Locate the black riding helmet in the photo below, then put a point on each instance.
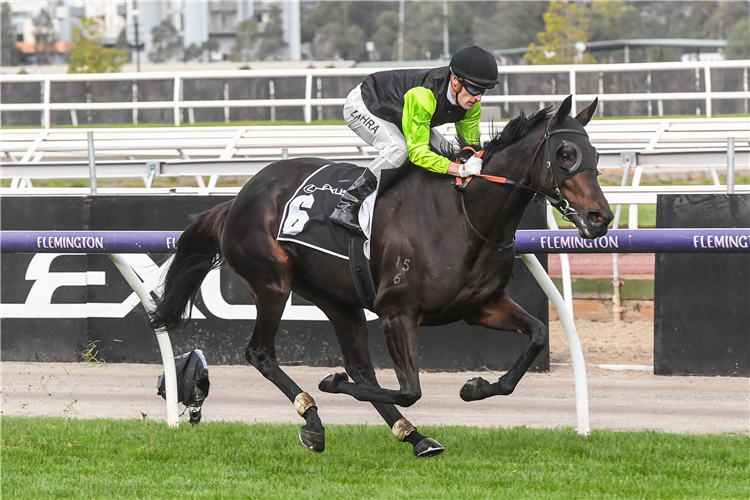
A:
(476, 65)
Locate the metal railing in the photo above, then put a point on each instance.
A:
(240, 151)
(311, 97)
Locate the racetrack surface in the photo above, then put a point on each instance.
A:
(632, 399)
(618, 400)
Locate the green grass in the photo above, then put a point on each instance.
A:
(601, 288)
(60, 458)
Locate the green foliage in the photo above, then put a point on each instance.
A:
(166, 42)
(88, 54)
(272, 46)
(385, 37)
(69, 458)
(200, 52)
(508, 25)
(565, 26)
(10, 55)
(245, 45)
(738, 41)
(45, 36)
(611, 20)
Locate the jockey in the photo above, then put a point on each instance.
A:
(397, 111)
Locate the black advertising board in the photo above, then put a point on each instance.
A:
(701, 300)
(56, 306)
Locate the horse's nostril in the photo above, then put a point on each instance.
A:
(597, 219)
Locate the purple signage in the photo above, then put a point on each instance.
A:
(718, 240)
(88, 241)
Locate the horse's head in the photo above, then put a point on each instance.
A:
(569, 170)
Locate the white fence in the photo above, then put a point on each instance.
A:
(30, 154)
(312, 97)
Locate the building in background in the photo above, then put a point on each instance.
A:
(196, 21)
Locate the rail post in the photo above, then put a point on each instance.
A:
(574, 343)
(162, 337)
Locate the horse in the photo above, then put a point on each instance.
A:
(441, 251)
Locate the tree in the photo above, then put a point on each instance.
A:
(200, 52)
(45, 36)
(510, 25)
(611, 20)
(565, 27)
(166, 42)
(10, 55)
(88, 54)
(272, 45)
(386, 36)
(346, 27)
(123, 44)
(738, 41)
(246, 43)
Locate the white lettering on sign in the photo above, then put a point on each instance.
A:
(578, 242)
(63, 242)
(723, 241)
(38, 303)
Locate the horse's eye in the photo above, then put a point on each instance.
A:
(597, 157)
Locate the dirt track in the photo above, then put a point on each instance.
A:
(619, 400)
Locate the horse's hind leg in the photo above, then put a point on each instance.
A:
(270, 299)
(506, 315)
(351, 331)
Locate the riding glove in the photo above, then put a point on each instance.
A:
(473, 166)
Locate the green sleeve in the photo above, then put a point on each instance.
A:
(419, 106)
(468, 127)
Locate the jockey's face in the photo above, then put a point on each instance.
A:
(464, 99)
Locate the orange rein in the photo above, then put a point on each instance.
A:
(491, 178)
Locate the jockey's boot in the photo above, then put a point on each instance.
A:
(347, 211)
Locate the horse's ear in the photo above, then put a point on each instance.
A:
(587, 114)
(562, 112)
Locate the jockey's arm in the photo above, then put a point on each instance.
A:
(419, 106)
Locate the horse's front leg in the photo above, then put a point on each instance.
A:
(505, 314)
(351, 330)
(401, 338)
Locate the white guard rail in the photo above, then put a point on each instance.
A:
(312, 98)
(217, 151)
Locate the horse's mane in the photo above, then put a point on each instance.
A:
(516, 129)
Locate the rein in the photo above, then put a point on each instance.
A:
(561, 204)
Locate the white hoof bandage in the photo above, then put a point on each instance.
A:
(402, 428)
(304, 402)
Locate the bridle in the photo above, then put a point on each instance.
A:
(555, 197)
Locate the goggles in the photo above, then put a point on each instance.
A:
(471, 88)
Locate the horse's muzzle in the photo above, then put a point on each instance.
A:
(595, 224)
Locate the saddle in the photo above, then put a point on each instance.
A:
(305, 222)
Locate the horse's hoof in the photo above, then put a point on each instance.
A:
(428, 447)
(313, 441)
(331, 381)
(473, 389)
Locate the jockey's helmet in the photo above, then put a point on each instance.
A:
(476, 65)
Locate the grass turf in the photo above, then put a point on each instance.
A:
(62, 458)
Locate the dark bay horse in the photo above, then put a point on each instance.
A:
(438, 255)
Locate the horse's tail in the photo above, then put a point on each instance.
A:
(198, 252)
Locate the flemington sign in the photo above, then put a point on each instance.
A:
(715, 240)
(735, 240)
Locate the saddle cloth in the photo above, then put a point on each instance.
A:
(306, 214)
